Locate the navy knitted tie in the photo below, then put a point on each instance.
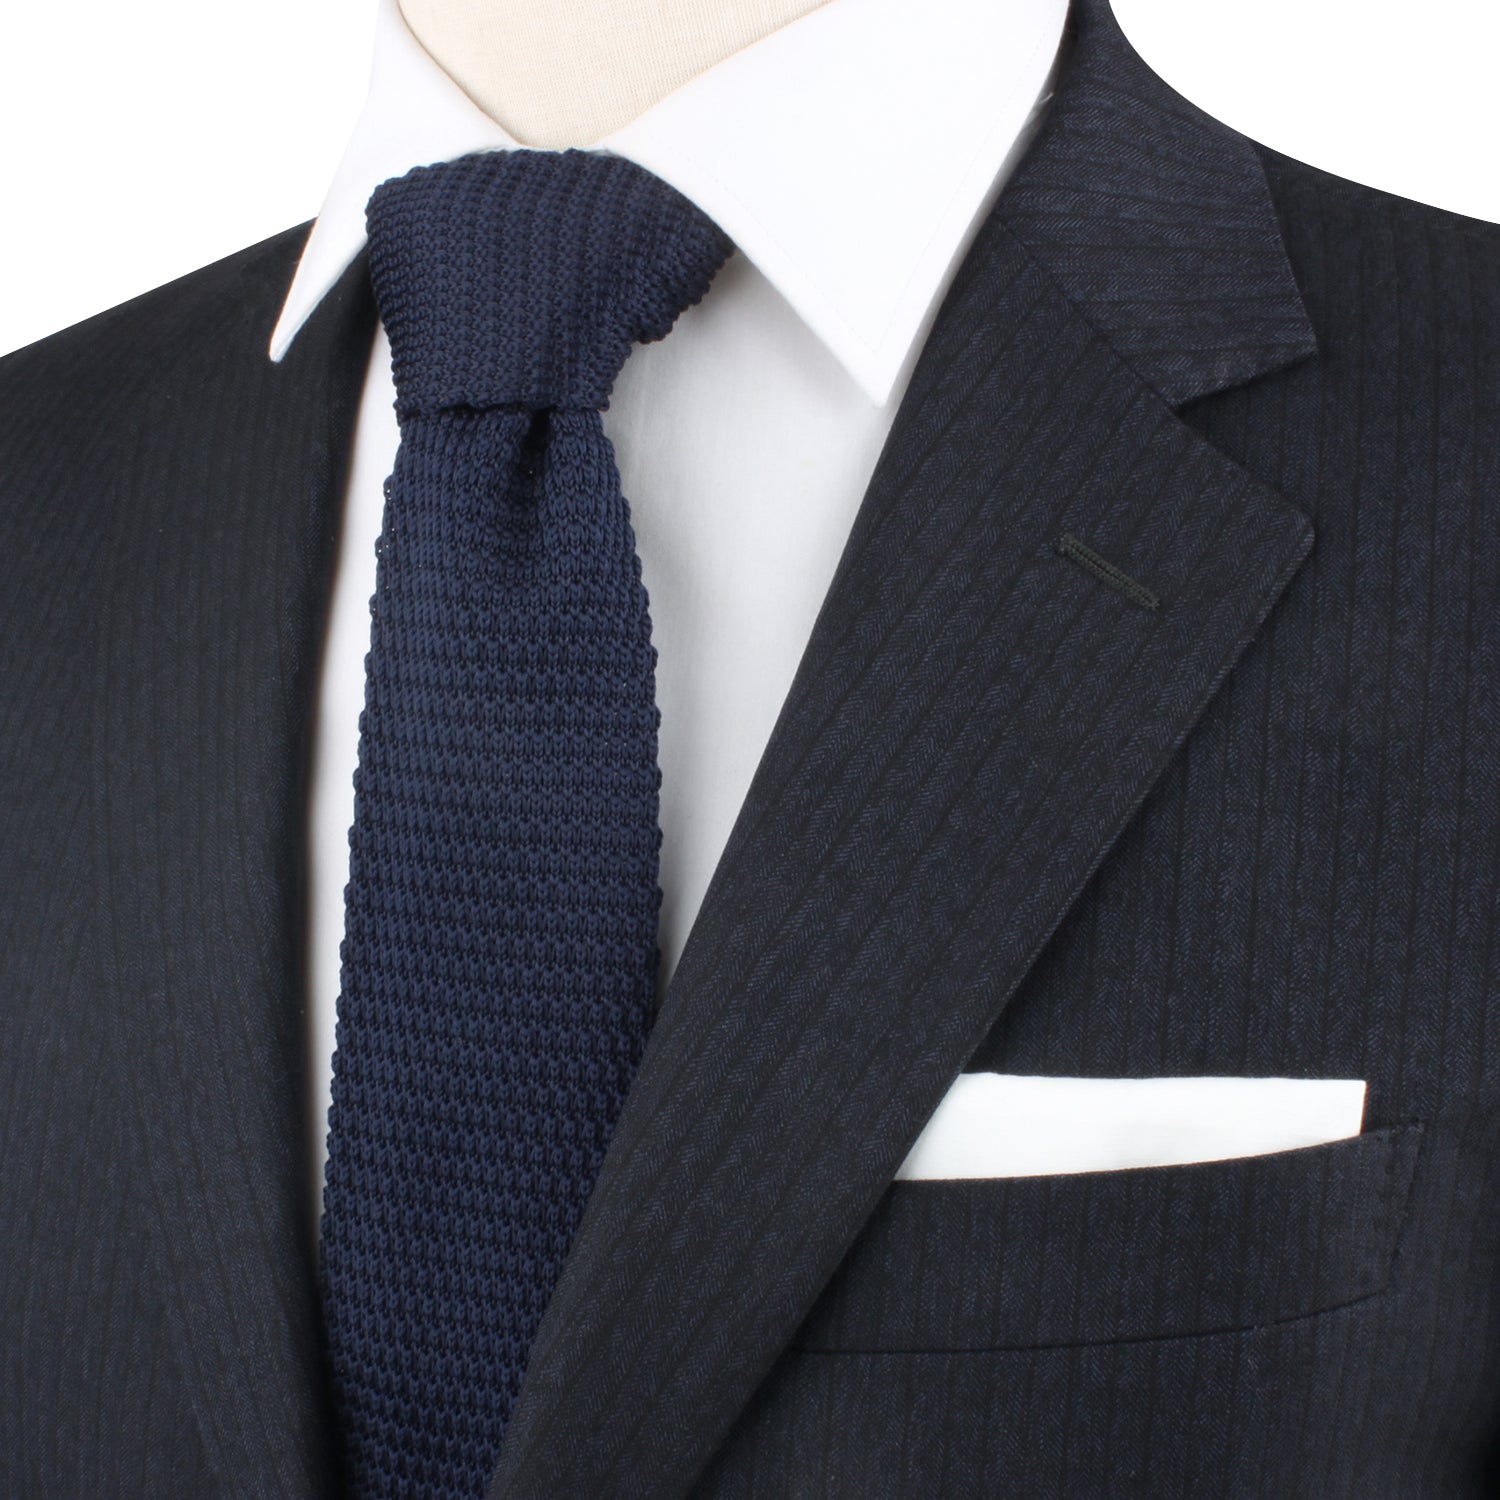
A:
(500, 955)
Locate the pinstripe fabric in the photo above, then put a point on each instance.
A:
(1199, 299)
(1007, 819)
(1312, 888)
(158, 1313)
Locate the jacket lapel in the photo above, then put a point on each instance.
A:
(223, 528)
(976, 718)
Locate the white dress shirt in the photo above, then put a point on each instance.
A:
(850, 156)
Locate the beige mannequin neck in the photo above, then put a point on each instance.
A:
(559, 73)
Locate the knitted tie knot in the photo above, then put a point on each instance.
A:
(523, 278)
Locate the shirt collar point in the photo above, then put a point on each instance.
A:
(282, 338)
(876, 378)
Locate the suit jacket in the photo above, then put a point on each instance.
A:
(1011, 817)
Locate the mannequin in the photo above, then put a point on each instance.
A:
(559, 73)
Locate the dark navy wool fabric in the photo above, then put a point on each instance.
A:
(500, 955)
(1008, 820)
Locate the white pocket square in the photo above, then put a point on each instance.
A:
(1015, 1125)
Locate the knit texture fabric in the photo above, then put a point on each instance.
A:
(500, 955)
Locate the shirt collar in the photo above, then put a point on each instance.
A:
(848, 156)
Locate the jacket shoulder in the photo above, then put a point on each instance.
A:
(1348, 227)
(109, 355)
(1404, 299)
(73, 404)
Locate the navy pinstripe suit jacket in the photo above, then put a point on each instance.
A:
(1009, 818)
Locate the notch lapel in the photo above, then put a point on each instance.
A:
(975, 720)
(223, 523)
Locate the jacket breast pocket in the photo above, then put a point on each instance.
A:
(1137, 1253)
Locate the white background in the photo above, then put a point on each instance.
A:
(142, 138)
